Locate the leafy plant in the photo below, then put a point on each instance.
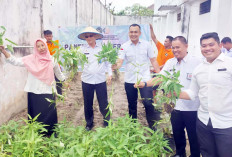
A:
(108, 53)
(168, 84)
(71, 59)
(9, 47)
(123, 137)
(138, 80)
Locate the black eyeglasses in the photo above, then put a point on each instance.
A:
(89, 36)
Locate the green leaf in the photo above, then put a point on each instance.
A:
(10, 41)
(10, 48)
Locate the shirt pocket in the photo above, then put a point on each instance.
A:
(222, 78)
(130, 58)
(142, 56)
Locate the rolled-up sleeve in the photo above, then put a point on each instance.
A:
(193, 89)
(121, 53)
(150, 51)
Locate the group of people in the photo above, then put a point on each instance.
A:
(204, 106)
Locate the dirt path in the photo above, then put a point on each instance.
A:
(73, 107)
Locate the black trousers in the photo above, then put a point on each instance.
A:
(88, 93)
(214, 142)
(152, 115)
(37, 104)
(181, 120)
(58, 86)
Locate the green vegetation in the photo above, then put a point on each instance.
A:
(108, 53)
(71, 59)
(169, 84)
(136, 10)
(9, 47)
(123, 137)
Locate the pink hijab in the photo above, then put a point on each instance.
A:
(40, 65)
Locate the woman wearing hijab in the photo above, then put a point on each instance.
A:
(40, 82)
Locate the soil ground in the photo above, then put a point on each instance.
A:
(72, 109)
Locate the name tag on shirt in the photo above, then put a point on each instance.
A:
(224, 69)
(172, 70)
(189, 76)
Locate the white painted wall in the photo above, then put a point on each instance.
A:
(219, 20)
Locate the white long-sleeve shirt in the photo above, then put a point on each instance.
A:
(212, 83)
(94, 72)
(33, 84)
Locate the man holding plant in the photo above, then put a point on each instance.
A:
(184, 114)
(137, 55)
(212, 82)
(93, 77)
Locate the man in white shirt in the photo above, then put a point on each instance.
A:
(212, 83)
(227, 46)
(94, 77)
(184, 115)
(138, 54)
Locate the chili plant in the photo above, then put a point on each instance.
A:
(9, 47)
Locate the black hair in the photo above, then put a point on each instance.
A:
(226, 40)
(47, 32)
(170, 38)
(181, 39)
(134, 25)
(213, 35)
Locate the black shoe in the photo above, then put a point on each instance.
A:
(88, 127)
(105, 123)
(177, 155)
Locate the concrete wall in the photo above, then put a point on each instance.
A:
(193, 25)
(25, 21)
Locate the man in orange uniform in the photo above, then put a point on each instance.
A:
(164, 51)
(48, 36)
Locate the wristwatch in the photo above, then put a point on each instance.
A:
(145, 84)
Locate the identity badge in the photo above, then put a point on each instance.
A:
(189, 76)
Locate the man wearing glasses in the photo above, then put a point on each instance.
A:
(93, 77)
